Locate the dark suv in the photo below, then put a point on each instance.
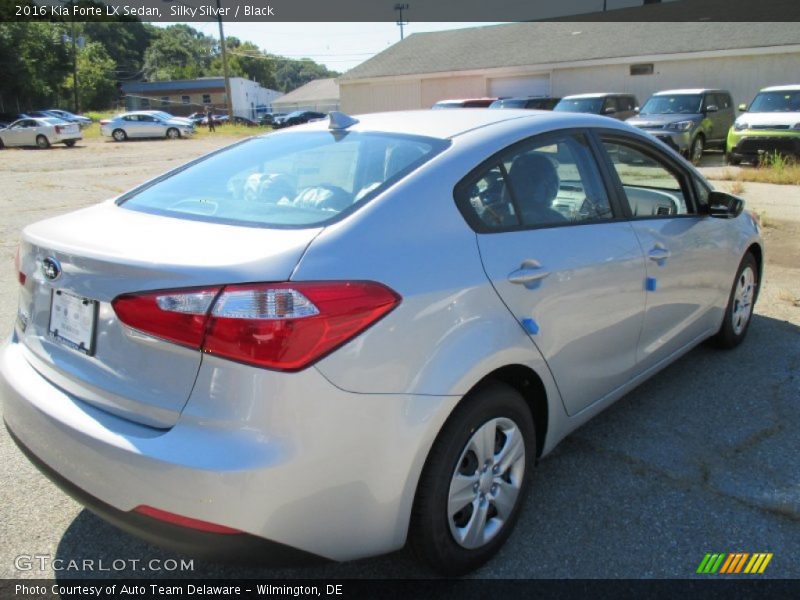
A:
(618, 106)
(688, 121)
(531, 102)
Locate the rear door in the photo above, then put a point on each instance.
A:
(566, 265)
(684, 247)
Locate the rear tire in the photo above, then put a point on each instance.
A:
(119, 135)
(42, 142)
(473, 485)
(741, 303)
(70, 143)
(733, 160)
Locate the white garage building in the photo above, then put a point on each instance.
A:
(561, 58)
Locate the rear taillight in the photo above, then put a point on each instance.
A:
(283, 326)
(58, 128)
(18, 268)
(104, 121)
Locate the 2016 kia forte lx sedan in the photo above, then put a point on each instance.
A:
(355, 334)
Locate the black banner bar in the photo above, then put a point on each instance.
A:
(386, 10)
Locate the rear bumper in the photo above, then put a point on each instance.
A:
(289, 459)
(241, 548)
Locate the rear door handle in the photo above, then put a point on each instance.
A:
(529, 272)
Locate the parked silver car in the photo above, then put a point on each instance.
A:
(145, 124)
(40, 132)
(334, 340)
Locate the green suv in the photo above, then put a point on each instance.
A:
(770, 124)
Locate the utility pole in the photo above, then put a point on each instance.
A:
(76, 104)
(225, 64)
(400, 8)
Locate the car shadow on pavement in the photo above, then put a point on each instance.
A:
(702, 457)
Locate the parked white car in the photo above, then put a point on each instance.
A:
(145, 124)
(40, 132)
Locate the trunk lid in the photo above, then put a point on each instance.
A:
(104, 251)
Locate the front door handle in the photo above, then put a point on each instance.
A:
(659, 253)
(529, 272)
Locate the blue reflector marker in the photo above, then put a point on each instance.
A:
(650, 284)
(530, 326)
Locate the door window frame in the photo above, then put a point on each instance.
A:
(649, 148)
(460, 191)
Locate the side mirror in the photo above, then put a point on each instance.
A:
(609, 110)
(722, 205)
(712, 108)
(743, 107)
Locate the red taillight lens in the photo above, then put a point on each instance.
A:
(180, 520)
(104, 121)
(283, 326)
(176, 315)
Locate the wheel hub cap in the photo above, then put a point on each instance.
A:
(486, 483)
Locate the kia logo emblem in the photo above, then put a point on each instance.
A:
(51, 268)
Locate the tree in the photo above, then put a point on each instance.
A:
(125, 42)
(290, 74)
(96, 77)
(245, 59)
(178, 52)
(35, 58)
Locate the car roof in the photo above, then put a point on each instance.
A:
(783, 88)
(449, 124)
(690, 91)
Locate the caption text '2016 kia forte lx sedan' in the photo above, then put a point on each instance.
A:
(332, 341)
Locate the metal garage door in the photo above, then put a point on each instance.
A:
(536, 85)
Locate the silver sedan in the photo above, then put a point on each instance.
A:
(146, 124)
(334, 340)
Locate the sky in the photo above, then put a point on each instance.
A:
(338, 46)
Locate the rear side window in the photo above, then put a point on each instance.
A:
(548, 181)
(298, 179)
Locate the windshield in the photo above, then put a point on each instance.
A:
(581, 105)
(163, 115)
(301, 179)
(788, 101)
(509, 103)
(54, 121)
(673, 104)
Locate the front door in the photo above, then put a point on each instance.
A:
(561, 260)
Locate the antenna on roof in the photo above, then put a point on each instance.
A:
(340, 121)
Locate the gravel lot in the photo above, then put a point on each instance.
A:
(702, 458)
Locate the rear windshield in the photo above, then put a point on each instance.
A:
(581, 105)
(298, 179)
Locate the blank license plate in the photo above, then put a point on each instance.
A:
(72, 320)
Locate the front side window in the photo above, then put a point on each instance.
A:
(300, 179)
(653, 188)
(552, 181)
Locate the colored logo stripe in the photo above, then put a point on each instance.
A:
(732, 563)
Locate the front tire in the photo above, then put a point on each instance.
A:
(173, 133)
(473, 484)
(42, 142)
(741, 302)
(697, 149)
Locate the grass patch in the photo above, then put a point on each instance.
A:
(772, 168)
(241, 131)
